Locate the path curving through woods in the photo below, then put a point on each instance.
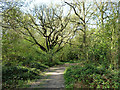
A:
(53, 78)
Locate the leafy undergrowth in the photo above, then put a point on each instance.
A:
(15, 76)
(72, 61)
(91, 76)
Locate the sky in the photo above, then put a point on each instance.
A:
(58, 1)
(47, 2)
(41, 2)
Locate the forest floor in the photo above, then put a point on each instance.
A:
(53, 77)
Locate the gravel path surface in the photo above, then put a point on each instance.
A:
(53, 78)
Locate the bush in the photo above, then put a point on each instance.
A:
(38, 65)
(12, 74)
(93, 75)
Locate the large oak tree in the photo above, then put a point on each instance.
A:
(43, 26)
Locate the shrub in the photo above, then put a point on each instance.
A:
(12, 74)
(93, 75)
(38, 65)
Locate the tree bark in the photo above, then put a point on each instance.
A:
(119, 34)
(84, 35)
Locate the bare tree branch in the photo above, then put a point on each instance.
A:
(75, 12)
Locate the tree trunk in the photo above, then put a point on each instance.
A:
(84, 35)
(119, 34)
(102, 14)
(113, 53)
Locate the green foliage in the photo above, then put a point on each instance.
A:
(38, 65)
(98, 52)
(93, 75)
(23, 58)
(12, 75)
(67, 54)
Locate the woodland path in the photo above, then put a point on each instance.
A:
(53, 77)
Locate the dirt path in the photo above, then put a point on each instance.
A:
(53, 78)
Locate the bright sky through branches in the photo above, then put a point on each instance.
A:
(66, 7)
(47, 2)
(32, 3)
